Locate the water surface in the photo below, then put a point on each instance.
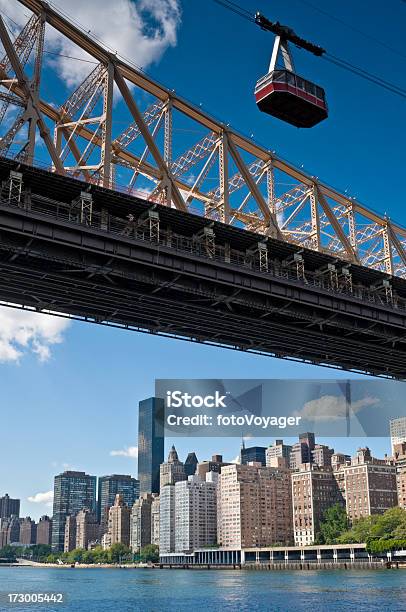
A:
(108, 590)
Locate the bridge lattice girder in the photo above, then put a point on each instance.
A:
(218, 174)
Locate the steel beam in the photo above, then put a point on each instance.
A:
(34, 114)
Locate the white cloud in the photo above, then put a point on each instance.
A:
(190, 180)
(46, 498)
(22, 331)
(236, 460)
(129, 451)
(140, 31)
(332, 407)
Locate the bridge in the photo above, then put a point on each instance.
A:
(130, 228)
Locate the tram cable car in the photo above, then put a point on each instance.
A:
(284, 94)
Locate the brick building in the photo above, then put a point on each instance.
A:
(400, 463)
(28, 531)
(254, 506)
(370, 485)
(87, 528)
(44, 530)
(314, 489)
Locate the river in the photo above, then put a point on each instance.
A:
(153, 590)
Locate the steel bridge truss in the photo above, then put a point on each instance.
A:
(173, 153)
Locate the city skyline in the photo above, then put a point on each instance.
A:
(254, 445)
(185, 446)
(275, 495)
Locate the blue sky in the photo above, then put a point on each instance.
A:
(76, 405)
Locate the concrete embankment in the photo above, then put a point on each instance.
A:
(24, 563)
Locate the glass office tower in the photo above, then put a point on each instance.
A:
(150, 443)
(191, 464)
(253, 453)
(73, 491)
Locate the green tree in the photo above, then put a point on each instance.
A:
(359, 532)
(88, 557)
(400, 531)
(334, 523)
(379, 531)
(74, 556)
(149, 553)
(100, 555)
(8, 552)
(119, 552)
(386, 524)
(39, 552)
(382, 546)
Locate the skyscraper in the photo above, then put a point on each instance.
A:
(69, 542)
(314, 489)
(277, 451)
(108, 487)
(191, 464)
(370, 485)
(400, 463)
(44, 530)
(167, 519)
(397, 432)
(28, 531)
(155, 509)
(150, 443)
(119, 522)
(73, 491)
(87, 528)
(140, 528)
(254, 506)
(196, 513)
(302, 451)
(9, 507)
(173, 470)
(321, 455)
(253, 453)
(10, 531)
(308, 438)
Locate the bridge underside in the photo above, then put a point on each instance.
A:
(151, 268)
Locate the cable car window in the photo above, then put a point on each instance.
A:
(319, 93)
(279, 76)
(299, 82)
(265, 79)
(309, 87)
